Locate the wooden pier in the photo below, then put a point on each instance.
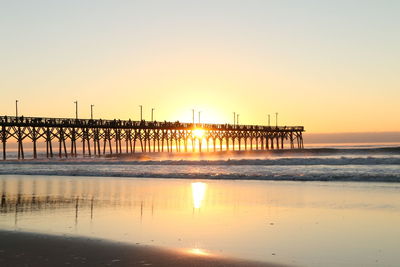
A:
(100, 137)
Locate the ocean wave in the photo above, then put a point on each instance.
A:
(321, 164)
(292, 153)
(229, 162)
(358, 150)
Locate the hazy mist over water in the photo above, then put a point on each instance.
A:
(355, 138)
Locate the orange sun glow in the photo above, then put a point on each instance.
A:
(198, 133)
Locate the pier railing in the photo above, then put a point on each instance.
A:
(52, 122)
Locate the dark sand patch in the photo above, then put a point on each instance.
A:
(29, 249)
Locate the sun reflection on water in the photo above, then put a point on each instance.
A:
(198, 252)
(198, 192)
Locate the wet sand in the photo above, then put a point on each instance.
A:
(30, 249)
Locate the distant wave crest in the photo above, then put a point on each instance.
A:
(263, 162)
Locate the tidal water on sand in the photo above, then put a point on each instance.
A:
(320, 207)
(301, 224)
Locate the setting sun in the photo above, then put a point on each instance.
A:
(198, 133)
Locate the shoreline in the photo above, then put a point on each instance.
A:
(302, 179)
(33, 249)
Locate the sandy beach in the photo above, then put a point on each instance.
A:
(30, 249)
(91, 221)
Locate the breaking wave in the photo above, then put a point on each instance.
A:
(263, 162)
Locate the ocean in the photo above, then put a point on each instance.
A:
(329, 206)
(365, 163)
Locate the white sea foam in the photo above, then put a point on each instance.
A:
(383, 173)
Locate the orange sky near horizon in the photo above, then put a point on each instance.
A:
(330, 67)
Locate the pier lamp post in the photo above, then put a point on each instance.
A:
(76, 109)
(141, 112)
(91, 111)
(237, 119)
(269, 120)
(234, 118)
(199, 116)
(276, 115)
(16, 108)
(193, 116)
(152, 113)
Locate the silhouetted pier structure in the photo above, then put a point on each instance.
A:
(100, 137)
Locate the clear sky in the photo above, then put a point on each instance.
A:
(332, 66)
